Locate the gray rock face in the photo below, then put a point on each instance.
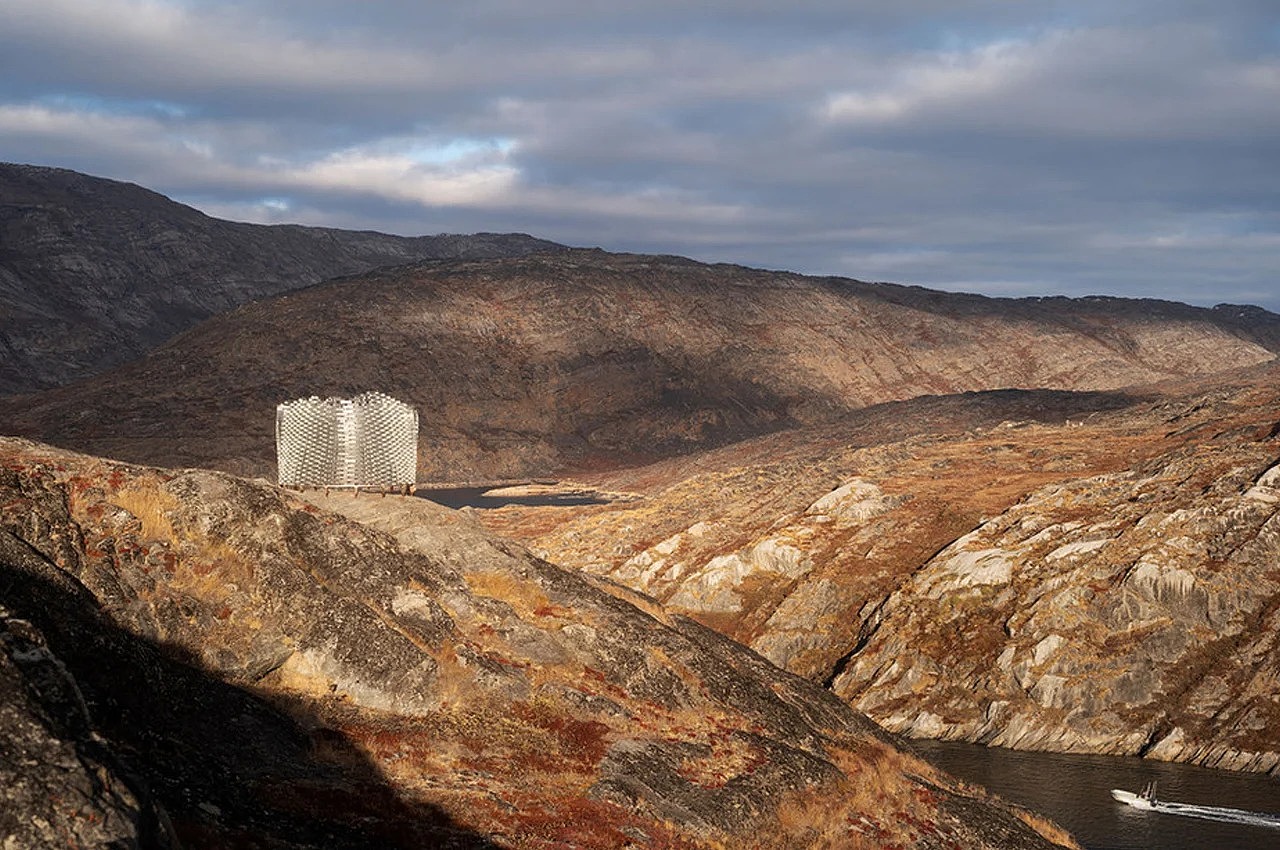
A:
(58, 784)
(1100, 580)
(94, 272)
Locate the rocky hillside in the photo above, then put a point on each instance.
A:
(584, 359)
(94, 272)
(237, 667)
(1133, 612)
(1088, 572)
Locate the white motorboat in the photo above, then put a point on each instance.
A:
(1144, 800)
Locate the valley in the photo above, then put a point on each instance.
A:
(742, 534)
(579, 359)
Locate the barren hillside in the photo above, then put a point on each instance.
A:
(1087, 572)
(239, 667)
(94, 272)
(583, 359)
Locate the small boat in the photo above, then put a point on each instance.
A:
(1144, 800)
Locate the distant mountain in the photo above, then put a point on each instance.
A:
(95, 272)
(585, 359)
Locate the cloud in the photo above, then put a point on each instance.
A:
(402, 176)
(963, 143)
(198, 48)
(937, 80)
(1168, 81)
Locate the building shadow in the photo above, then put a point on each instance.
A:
(213, 765)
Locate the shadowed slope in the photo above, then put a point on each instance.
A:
(204, 763)
(95, 272)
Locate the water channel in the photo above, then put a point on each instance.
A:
(489, 497)
(1075, 791)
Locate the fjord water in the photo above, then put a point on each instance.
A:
(1075, 791)
(492, 497)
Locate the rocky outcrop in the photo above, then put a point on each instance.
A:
(1100, 580)
(583, 359)
(278, 675)
(1133, 613)
(94, 272)
(789, 543)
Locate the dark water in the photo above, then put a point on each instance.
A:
(1075, 791)
(478, 497)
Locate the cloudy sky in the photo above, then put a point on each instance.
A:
(1012, 147)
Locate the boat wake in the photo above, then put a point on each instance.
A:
(1146, 801)
(1218, 813)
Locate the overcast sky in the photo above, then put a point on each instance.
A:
(1011, 147)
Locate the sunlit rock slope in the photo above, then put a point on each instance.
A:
(272, 674)
(1132, 612)
(1090, 572)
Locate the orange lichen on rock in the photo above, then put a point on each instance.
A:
(415, 677)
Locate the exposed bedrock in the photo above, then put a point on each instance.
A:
(59, 786)
(1103, 582)
(1110, 614)
(281, 676)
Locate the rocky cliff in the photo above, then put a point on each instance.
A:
(95, 272)
(584, 359)
(258, 670)
(1133, 612)
(1089, 572)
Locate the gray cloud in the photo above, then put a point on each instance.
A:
(1008, 148)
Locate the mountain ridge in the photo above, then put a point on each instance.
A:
(95, 272)
(547, 363)
(821, 468)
